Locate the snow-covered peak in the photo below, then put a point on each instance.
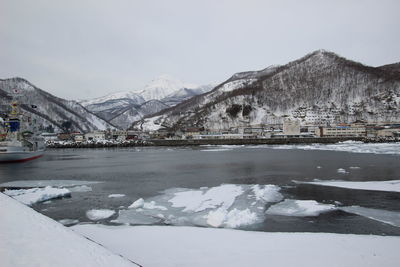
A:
(163, 86)
(118, 95)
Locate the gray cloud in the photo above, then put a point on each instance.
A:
(82, 49)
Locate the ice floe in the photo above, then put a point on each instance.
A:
(227, 205)
(44, 183)
(68, 222)
(385, 216)
(299, 208)
(341, 170)
(349, 146)
(99, 214)
(35, 195)
(390, 186)
(80, 189)
(116, 195)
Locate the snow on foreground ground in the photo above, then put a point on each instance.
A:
(28, 238)
(388, 186)
(194, 246)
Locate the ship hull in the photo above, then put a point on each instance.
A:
(14, 157)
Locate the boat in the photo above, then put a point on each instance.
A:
(16, 144)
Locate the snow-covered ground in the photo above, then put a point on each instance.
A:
(28, 238)
(390, 186)
(194, 246)
(349, 146)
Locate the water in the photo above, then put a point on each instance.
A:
(147, 172)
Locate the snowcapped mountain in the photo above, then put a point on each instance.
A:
(163, 86)
(124, 108)
(320, 88)
(50, 110)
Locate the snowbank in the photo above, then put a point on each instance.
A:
(194, 246)
(28, 238)
(35, 195)
(389, 186)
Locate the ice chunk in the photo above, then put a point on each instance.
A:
(116, 195)
(137, 204)
(35, 195)
(100, 214)
(227, 205)
(299, 208)
(196, 201)
(390, 186)
(341, 170)
(81, 188)
(385, 216)
(68, 222)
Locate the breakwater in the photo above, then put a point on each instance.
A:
(199, 142)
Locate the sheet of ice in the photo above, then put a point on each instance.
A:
(385, 216)
(227, 205)
(197, 246)
(349, 146)
(341, 170)
(35, 195)
(299, 208)
(389, 186)
(80, 189)
(28, 238)
(137, 204)
(68, 222)
(44, 183)
(116, 195)
(100, 214)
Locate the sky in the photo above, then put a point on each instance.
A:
(81, 49)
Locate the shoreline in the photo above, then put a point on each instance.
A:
(202, 142)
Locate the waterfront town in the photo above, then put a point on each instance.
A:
(289, 129)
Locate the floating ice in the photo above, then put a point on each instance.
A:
(385, 216)
(81, 188)
(137, 204)
(35, 195)
(349, 146)
(95, 215)
(68, 222)
(299, 208)
(390, 186)
(116, 195)
(44, 183)
(341, 170)
(227, 205)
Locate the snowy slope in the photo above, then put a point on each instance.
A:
(124, 108)
(319, 88)
(163, 86)
(31, 239)
(50, 110)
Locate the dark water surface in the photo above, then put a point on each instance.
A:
(145, 172)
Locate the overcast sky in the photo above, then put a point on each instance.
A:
(84, 49)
